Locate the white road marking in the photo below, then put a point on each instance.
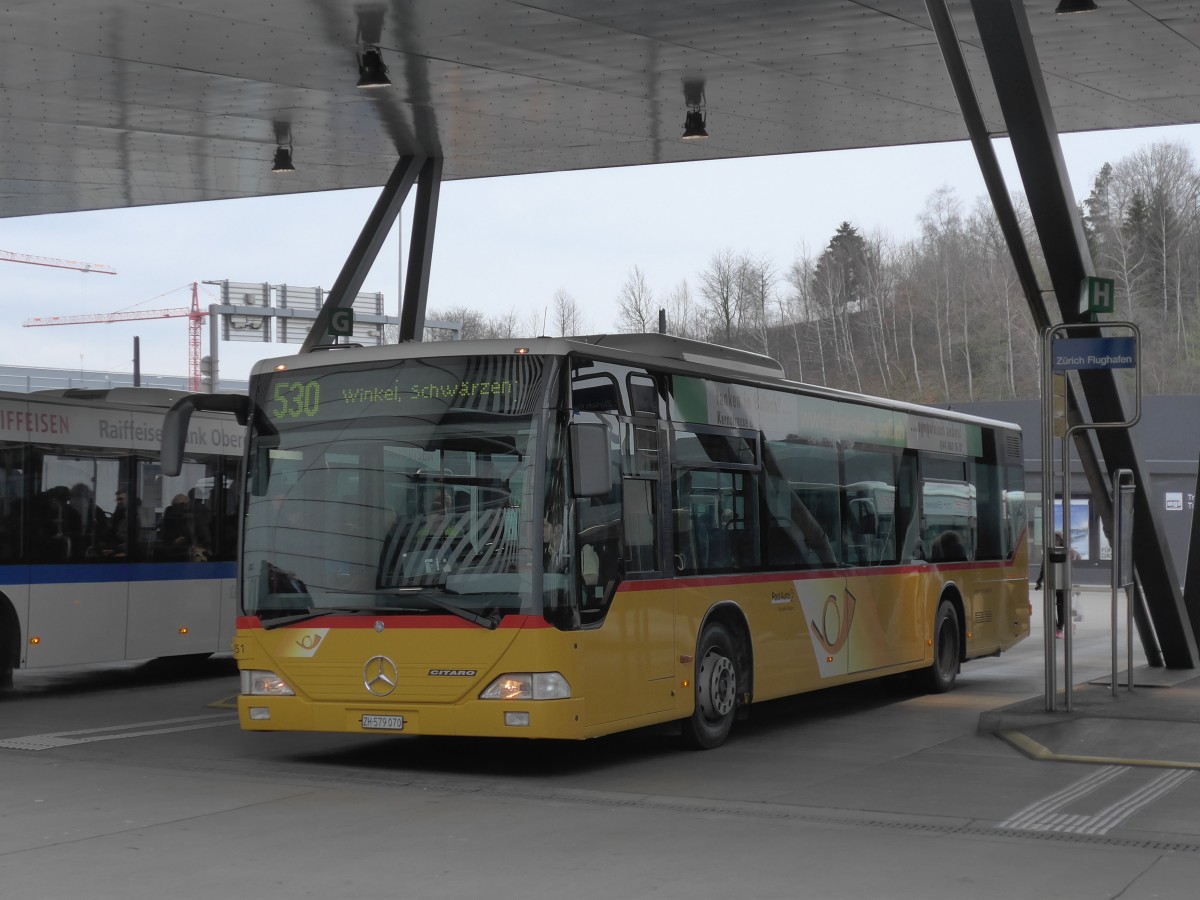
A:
(114, 732)
(1048, 815)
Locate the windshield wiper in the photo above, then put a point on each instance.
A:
(490, 622)
(316, 613)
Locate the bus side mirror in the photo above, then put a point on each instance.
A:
(175, 424)
(590, 472)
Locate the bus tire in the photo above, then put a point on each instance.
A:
(716, 690)
(947, 649)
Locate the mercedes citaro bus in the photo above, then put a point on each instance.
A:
(568, 537)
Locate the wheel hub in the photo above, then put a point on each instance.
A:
(717, 685)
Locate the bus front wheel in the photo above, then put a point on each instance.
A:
(946, 649)
(716, 690)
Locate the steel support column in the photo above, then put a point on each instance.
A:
(420, 254)
(366, 248)
(1006, 215)
(1016, 74)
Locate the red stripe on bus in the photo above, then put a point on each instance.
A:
(658, 584)
(396, 621)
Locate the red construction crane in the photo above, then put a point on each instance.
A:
(98, 268)
(194, 316)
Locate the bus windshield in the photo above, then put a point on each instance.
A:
(400, 488)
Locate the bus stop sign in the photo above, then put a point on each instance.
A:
(1093, 353)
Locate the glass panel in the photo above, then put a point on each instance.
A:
(803, 504)
(1015, 514)
(871, 521)
(376, 517)
(12, 502)
(595, 393)
(701, 448)
(399, 486)
(81, 513)
(641, 526)
(639, 445)
(722, 515)
(949, 520)
(184, 510)
(643, 395)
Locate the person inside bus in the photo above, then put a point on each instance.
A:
(55, 530)
(201, 515)
(116, 543)
(948, 547)
(175, 530)
(92, 521)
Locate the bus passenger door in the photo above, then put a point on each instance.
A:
(628, 622)
(885, 585)
(174, 602)
(78, 591)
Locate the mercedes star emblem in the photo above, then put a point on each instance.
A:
(380, 676)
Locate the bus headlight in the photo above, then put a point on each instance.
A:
(528, 686)
(259, 683)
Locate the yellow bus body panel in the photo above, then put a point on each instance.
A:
(806, 631)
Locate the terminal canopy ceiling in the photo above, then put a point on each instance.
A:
(116, 103)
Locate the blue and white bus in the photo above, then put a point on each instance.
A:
(102, 558)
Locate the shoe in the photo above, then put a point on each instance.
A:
(1058, 633)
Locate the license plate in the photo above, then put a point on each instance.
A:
(389, 723)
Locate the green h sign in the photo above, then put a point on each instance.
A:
(1098, 295)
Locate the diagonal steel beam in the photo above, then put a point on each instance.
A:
(1016, 74)
(420, 255)
(366, 248)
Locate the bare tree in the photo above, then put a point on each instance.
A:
(475, 325)
(758, 292)
(721, 287)
(636, 305)
(684, 318)
(568, 317)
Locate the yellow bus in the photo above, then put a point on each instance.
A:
(569, 537)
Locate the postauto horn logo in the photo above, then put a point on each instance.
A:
(829, 622)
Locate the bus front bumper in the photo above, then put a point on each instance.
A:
(554, 719)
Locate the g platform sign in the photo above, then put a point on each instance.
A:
(1093, 353)
(341, 323)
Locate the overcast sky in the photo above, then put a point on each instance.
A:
(502, 244)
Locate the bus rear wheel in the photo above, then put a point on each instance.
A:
(716, 690)
(947, 649)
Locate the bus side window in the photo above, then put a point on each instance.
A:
(12, 469)
(871, 506)
(686, 559)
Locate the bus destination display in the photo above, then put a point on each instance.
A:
(496, 385)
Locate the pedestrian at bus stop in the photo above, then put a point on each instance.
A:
(1060, 593)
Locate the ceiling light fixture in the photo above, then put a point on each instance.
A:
(283, 161)
(693, 125)
(1075, 6)
(372, 73)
